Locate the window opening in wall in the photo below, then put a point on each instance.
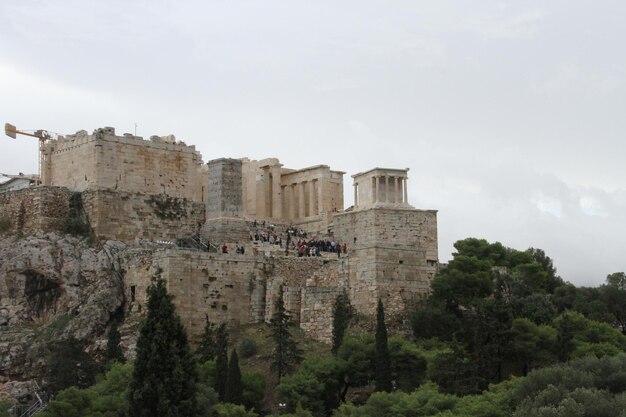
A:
(133, 291)
(401, 262)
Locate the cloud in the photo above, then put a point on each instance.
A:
(501, 24)
(586, 78)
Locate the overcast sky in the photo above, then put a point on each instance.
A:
(511, 115)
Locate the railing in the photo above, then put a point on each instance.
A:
(32, 409)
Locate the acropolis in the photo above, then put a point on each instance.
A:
(159, 193)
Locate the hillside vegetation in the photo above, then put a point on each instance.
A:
(501, 335)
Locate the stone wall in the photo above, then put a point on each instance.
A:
(225, 196)
(316, 313)
(229, 288)
(129, 216)
(35, 209)
(124, 163)
(393, 255)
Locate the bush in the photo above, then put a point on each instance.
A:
(247, 347)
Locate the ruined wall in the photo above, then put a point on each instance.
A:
(316, 314)
(129, 216)
(229, 288)
(300, 277)
(124, 163)
(35, 209)
(393, 255)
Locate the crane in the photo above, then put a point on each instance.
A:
(43, 135)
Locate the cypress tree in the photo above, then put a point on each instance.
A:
(342, 313)
(164, 375)
(234, 388)
(206, 350)
(382, 360)
(114, 351)
(286, 353)
(221, 361)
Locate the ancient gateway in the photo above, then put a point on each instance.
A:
(160, 191)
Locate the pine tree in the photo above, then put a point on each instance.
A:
(221, 361)
(206, 350)
(286, 354)
(114, 351)
(342, 313)
(234, 388)
(382, 360)
(164, 375)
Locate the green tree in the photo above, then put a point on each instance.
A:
(164, 377)
(208, 347)
(221, 361)
(613, 295)
(253, 390)
(286, 352)
(106, 398)
(342, 313)
(234, 388)
(617, 280)
(383, 361)
(114, 350)
(69, 365)
(462, 281)
(232, 410)
(408, 365)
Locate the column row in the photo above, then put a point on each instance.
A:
(301, 199)
(389, 189)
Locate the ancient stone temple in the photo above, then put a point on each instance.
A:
(244, 223)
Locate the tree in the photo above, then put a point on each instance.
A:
(342, 313)
(114, 350)
(234, 388)
(206, 350)
(383, 361)
(617, 279)
(164, 377)
(221, 361)
(107, 398)
(69, 365)
(286, 353)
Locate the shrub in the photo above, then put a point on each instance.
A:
(247, 347)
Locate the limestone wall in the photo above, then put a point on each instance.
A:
(393, 255)
(225, 195)
(129, 216)
(229, 288)
(35, 209)
(316, 316)
(124, 163)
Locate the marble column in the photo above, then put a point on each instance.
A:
(302, 208)
(386, 189)
(292, 201)
(395, 190)
(277, 207)
(312, 199)
(376, 188)
(406, 197)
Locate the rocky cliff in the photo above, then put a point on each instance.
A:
(53, 287)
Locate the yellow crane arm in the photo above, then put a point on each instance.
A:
(12, 132)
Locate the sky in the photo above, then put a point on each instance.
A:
(511, 115)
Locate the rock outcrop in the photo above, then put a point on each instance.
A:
(52, 287)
